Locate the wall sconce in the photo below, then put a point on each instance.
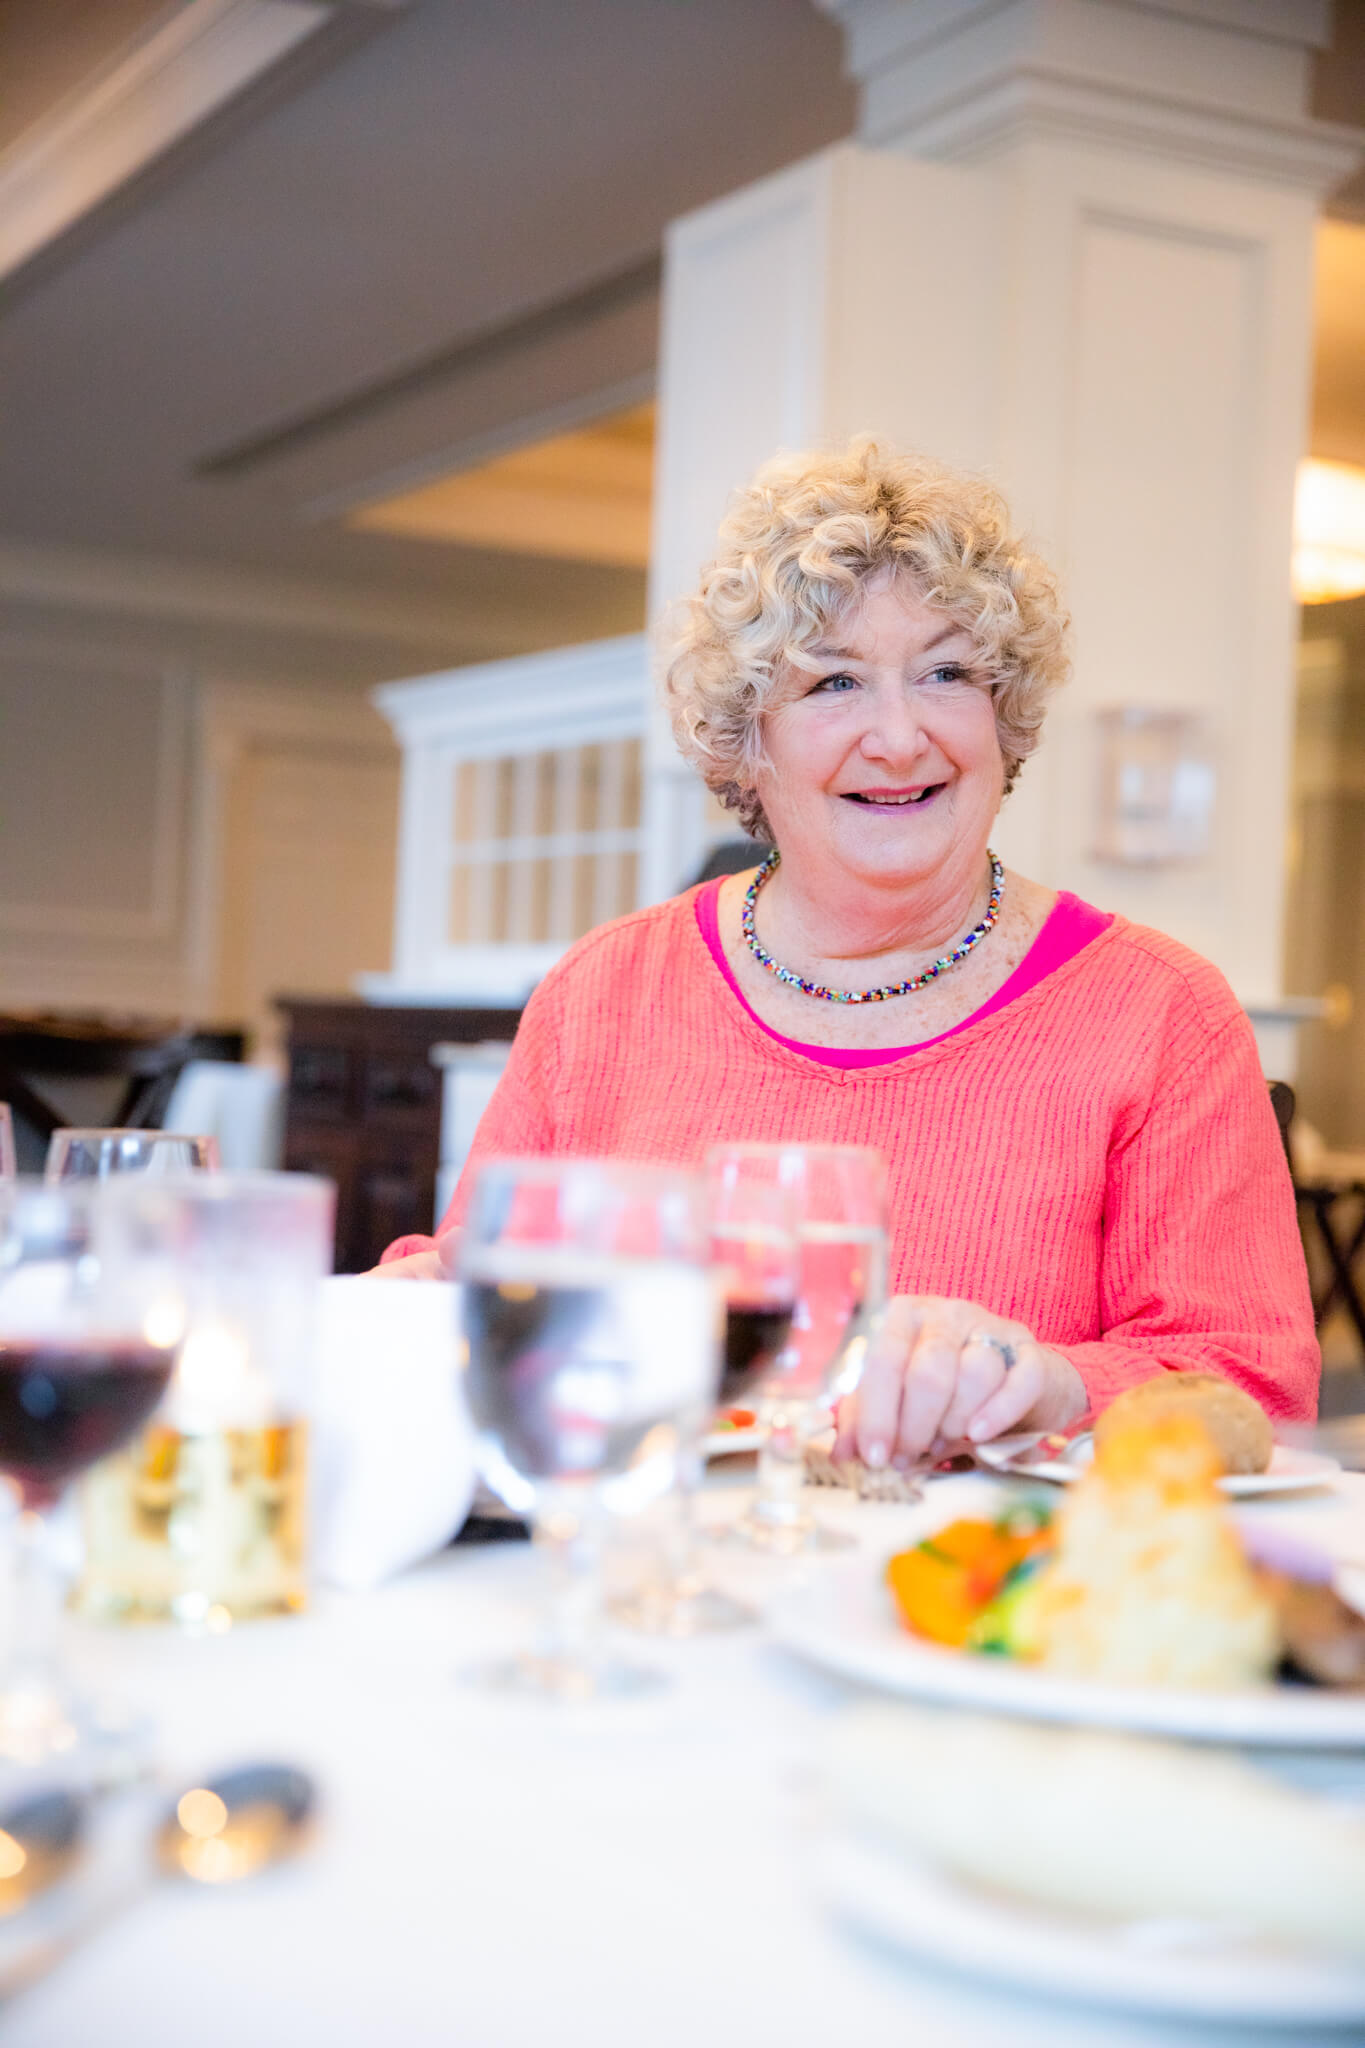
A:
(1156, 787)
(1329, 532)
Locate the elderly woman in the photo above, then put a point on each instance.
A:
(1086, 1182)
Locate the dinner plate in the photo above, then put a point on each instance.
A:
(731, 1443)
(1289, 1470)
(1188, 1969)
(844, 1620)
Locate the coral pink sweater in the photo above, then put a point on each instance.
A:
(1098, 1159)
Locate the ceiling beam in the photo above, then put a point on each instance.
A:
(136, 108)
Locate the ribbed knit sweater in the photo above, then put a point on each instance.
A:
(1099, 1159)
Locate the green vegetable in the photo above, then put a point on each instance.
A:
(1007, 1625)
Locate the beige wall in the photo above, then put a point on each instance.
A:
(1325, 928)
(173, 844)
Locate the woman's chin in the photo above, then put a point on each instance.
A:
(900, 849)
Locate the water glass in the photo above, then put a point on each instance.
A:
(840, 1191)
(202, 1519)
(85, 1155)
(590, 1339)
(88, 1338)
(754, 1215)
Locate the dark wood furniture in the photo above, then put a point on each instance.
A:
(1340, 1236)
(140, 1060)
(364, 1108)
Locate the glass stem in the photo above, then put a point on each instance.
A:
(568, 1528)
(782, 1462)
(685, 1577)
(37, 1610)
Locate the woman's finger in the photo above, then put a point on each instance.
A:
(930, 1381)
(982, 1366)
(1020, 1390)
(415, 1266)
(879, 1390)
(845, 1429)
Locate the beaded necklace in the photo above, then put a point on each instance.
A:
(866, 995)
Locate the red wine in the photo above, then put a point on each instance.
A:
(64, 1405)
(754, 1337)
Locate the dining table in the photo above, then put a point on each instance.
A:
(492, 1871)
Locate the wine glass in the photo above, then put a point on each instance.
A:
(88, 1336)
(590, 1328)
(85, 1155)
(754, 1210)
(841, 1193)
(8, 1163)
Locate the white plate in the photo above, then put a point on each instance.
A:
(731, 1443)
(1146, 1966)
(844, 1619)
(1289, 1470)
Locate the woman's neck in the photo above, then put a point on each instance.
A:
(805, 917)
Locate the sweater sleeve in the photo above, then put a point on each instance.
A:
(1202, 1265)
(519, 1117)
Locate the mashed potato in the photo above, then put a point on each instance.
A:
(1149, 1585)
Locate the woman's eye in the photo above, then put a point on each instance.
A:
(837, 683)
(949, 672)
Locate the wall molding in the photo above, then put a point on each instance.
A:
(157, 923)
(232, 718)
(151, 587)
(570, 696)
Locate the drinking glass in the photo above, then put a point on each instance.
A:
(841, 1194)
(86, 1155)
(202, 1518)
(753, 1203)
(88, 1337)
(8, 1163)
(590, 1336)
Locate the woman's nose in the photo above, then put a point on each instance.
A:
(893, 732)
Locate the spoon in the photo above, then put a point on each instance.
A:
(214, 1834)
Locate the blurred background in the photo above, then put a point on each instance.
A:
(376, 371)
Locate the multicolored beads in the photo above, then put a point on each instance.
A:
(866, 995)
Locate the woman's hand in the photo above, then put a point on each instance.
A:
(436, 1264)
(938, 1372)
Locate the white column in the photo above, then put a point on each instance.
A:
(1076, 254)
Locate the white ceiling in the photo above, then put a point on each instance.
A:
(433, 228)
(431, 222)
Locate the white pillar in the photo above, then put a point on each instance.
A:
(1072, 248)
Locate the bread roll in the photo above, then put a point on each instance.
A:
(1239, 1426)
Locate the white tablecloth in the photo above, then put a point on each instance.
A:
(496, 1874)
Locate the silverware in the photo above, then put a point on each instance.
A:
(1030, 1450)
(216, 1833)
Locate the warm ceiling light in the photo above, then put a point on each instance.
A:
(1329, 532)
(583, 496)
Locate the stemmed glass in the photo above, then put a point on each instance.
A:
(841, 1193)
(88, 1336)
(590, 1325)
(85, 1155)
(8, 1163)
(754, 1216)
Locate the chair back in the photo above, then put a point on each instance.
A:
(241, 1106)
(1282, 1101)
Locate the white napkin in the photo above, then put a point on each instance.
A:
(393, 1446)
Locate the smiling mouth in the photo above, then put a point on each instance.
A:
(891, 799)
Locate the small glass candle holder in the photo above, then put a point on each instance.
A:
(202, 1519)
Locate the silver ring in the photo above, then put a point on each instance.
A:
(1008, 1355)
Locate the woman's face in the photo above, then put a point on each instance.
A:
(885, 762)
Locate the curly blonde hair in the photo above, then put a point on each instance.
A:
(793, 553)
